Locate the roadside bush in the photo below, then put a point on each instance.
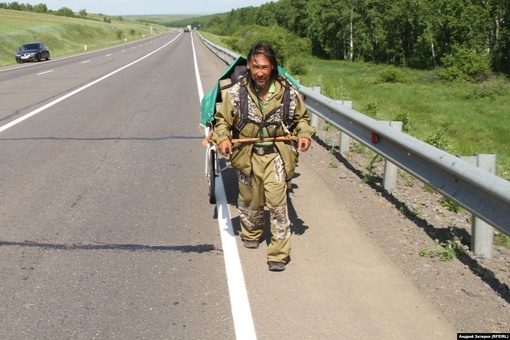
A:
(439, 140)
(406, 122)
(465, 65)
(287, 45)
(297, 66)
(394, 75)
(371, 108)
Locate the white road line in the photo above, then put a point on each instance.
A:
(42, 108)
(86, 61)
(197, 73)
(239, 302)
(40, 74)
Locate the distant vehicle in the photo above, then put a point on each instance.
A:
(34, 51)
(186, 30)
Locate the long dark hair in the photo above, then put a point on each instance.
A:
(266, 50)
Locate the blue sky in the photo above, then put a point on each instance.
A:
(133, 7)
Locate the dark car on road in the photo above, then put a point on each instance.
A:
(34, 51)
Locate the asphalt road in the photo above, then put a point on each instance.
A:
(106, 231)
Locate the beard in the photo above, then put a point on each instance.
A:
(260, 86)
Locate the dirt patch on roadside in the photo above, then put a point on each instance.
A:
(410, 225)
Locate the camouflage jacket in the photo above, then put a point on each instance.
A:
(228, 117)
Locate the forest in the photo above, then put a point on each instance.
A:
(469, 37)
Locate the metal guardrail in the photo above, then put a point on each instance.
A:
(485, 195)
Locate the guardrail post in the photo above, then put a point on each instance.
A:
(482, 234)
(315, 119)
(390, 169)
(345, 140)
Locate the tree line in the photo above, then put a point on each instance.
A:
(469, 37)
(42, 8)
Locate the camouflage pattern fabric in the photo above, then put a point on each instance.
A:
(280, 222)
(250, 218)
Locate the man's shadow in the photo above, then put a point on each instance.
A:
(298, 226)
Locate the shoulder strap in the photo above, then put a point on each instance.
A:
(243, 106)
(286, 105)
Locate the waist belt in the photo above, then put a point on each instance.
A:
(263, 150)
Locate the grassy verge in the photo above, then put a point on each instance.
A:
(471, 117)
(65, 35)
(215, 39)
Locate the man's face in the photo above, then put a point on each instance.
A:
(260, 70)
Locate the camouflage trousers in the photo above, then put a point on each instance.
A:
(267, 185)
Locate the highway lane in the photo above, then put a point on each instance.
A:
(34, 84)
(105, 232)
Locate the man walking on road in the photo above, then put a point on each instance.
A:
(265, 108)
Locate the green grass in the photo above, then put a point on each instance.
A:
(501, 240)
(215, 39)
(473, 116)
(65, 35)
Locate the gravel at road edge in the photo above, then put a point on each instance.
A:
(472, 293)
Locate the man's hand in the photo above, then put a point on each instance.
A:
(303, 144)
(225, 148)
